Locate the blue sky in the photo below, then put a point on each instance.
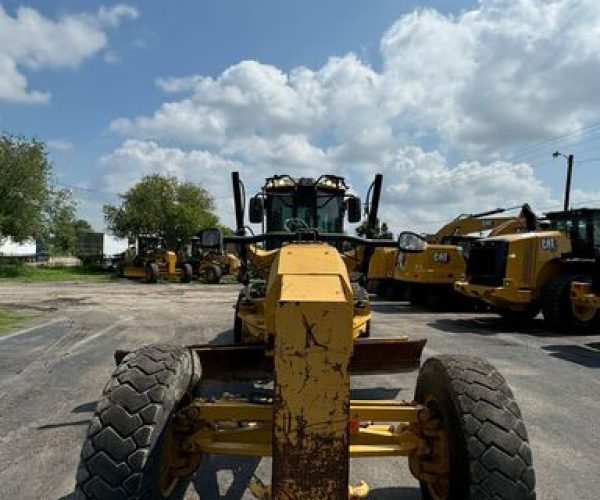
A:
(460, 109)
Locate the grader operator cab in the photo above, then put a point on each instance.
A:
(463, 433)
(208, 259)
(150, 260)
(524, 273)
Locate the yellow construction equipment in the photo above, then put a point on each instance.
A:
(427, 278)
(463, 433)
(210, 262)
(522, 273)
(150, 260)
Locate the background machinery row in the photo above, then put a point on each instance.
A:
(517, 266)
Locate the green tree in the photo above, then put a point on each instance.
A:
(24, 187)
(60, 231)
(163, 206)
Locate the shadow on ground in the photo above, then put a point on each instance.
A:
(89, 407)
(492, 325)
(581, 355)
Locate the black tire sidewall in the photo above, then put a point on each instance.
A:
(430, 383)
(175, 378)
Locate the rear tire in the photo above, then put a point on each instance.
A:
(212, 275)
(488, 449)
(121, 455)
(187, 273)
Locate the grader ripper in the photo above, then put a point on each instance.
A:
(463, 434)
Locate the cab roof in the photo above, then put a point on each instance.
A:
(576, 212)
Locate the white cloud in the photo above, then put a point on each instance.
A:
(31, 41)
(135, 159)
(456, 86)
(420, 188)
(507, 71)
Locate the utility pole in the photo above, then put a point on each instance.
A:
(568, 186)
(570, 161)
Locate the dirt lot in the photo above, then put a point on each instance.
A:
(52, 372)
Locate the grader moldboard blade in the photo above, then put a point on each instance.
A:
(255, 361)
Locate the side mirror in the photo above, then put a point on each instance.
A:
(256, 210)
(411, 242)
(353, 206)
(211, 238)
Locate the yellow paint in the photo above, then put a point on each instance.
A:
(529, 267)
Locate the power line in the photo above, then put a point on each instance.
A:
(88, 190)
(545, 142)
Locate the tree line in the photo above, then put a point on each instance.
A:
(33, 205)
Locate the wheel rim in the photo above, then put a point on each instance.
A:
(434, 465)
(583, 313)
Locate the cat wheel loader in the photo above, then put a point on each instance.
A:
(426, 279)
(552, 271)
(462, 433)
(211, 263)
(151, 261)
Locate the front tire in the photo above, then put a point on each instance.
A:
(485, 445)
(561, 314)
(121, 456)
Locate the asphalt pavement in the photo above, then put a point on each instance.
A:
(52, 372)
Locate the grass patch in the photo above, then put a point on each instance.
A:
(28, 274)
(9, 320)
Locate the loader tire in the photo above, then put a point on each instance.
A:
(489, 454)
(152, 272)
(560, 313)
(212, 275)
(187, 273)
(120, 458)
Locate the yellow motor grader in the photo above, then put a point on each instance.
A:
(152, 261)
(552, 271)
(463, 433)
(208, 259)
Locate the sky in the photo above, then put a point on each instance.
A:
(459, 104)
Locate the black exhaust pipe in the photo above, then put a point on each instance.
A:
(374, 206)
(239, 199)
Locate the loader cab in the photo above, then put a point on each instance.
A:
(462, 242)
(583, 228)
(288, 204)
